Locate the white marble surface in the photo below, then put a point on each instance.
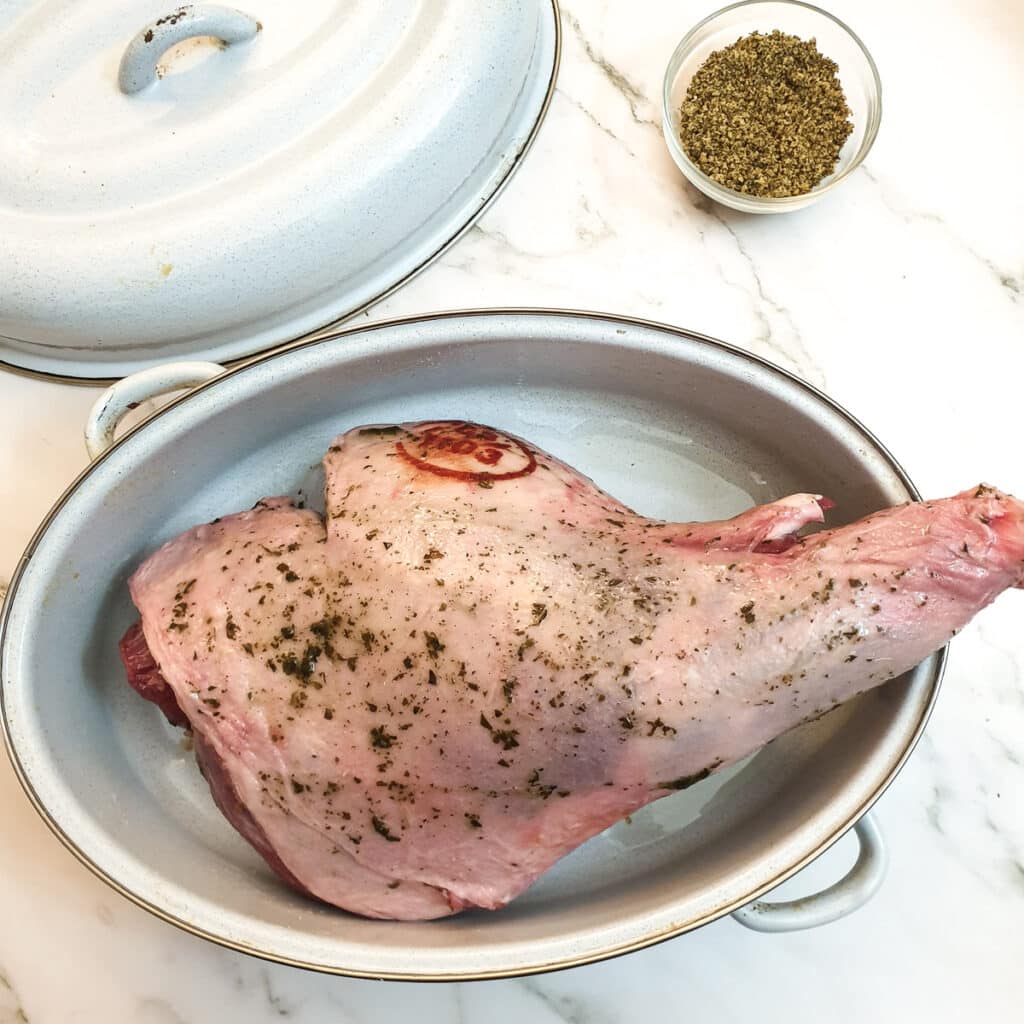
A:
(903, 296)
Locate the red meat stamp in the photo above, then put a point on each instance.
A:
(466, 451)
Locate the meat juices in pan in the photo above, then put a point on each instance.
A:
(477, 660)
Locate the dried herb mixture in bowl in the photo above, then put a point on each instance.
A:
(769, 105)
(766, 116)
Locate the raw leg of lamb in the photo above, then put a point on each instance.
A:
(478, 660)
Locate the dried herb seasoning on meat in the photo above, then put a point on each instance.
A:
(415, 757)
(766, 116)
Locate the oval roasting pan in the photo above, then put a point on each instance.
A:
(674, 424)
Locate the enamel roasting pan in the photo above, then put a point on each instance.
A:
(674, 424)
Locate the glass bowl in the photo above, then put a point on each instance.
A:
(857, 74)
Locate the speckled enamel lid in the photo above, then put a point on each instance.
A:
(213, 182)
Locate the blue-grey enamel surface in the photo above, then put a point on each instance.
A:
(257, 192)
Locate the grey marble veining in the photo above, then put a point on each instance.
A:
(636, 101)
(11, 1010)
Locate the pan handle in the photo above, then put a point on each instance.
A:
(124, 395)
(847, 895)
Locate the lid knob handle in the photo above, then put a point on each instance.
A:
(138, 65)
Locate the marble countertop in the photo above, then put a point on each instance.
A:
(902, 295)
